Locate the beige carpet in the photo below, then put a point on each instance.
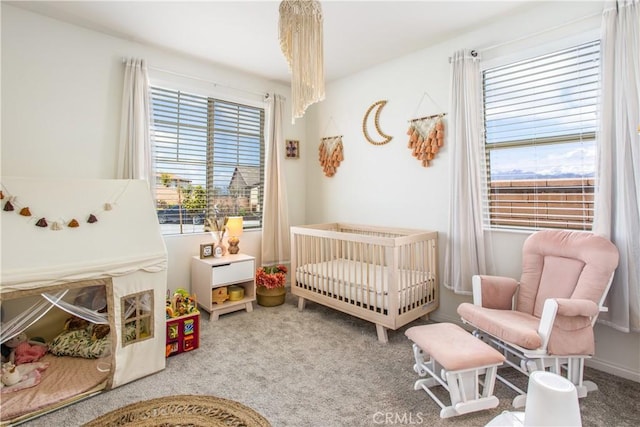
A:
(320, 368)
(183, 410)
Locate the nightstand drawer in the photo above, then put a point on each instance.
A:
(232, 272)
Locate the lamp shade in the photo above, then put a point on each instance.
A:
(552, 400)
(234, 226)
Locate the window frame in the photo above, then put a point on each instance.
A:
(195, 88)
(140, 318)
(587, 185)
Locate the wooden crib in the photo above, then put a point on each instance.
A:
(387, 276)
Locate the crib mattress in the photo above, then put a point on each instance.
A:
(65, 379)
(363, 283)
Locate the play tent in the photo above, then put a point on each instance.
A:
(81, 249)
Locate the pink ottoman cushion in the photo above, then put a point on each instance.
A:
(453, 347)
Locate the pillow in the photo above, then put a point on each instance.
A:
(78, 343)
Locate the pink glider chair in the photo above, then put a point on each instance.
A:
(545, 321)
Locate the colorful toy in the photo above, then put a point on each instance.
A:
(180, 304)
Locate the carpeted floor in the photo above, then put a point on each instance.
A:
(320, 368)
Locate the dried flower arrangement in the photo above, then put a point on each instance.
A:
(216, 225)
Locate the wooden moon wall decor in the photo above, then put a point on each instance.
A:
(330, 154)
(378, 107)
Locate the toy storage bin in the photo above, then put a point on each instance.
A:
(183, 334)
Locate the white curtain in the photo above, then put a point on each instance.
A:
(275, 214)
(134, 158)
(465, 250)
(617, 199)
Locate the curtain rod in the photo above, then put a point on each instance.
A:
(432, 116)
(566, 24)
(162, 70)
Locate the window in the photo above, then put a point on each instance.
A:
(137, 317)
(540, 122)
(208, 157)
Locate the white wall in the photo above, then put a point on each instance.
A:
(385, 185)
(61, 99)
(61, 94)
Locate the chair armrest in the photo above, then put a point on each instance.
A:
(549, 311)
(494, 291)
(565, 307)
(577, 307)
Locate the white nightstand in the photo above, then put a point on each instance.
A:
(210, 273)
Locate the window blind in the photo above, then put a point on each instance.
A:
(540, 119)
(209, 158)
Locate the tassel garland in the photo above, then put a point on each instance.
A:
(10, 205)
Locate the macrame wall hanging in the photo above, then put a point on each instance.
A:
(426, 134)
(330, 154)
(12, 204)
(426, 137)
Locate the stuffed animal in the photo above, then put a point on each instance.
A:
(24, 350)
(99, 331)
(10, 374)
(75, 323)
(96, 331)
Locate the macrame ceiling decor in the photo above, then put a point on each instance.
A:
(426, 137)
(300, 33)
(330, 154)
(12, 203)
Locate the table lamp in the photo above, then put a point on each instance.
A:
(234, 228)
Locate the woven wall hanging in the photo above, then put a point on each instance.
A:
(426, 137)
(330, 154)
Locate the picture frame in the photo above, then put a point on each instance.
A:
(206, 250)
(292, 149)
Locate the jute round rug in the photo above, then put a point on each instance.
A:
(183, 411)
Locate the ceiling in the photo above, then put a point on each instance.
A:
(244, 34)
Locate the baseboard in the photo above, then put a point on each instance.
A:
(440, 318)
(594, 362)
(613, 369)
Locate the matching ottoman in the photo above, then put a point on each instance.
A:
(456, 360)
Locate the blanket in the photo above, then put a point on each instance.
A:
(30, 373)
